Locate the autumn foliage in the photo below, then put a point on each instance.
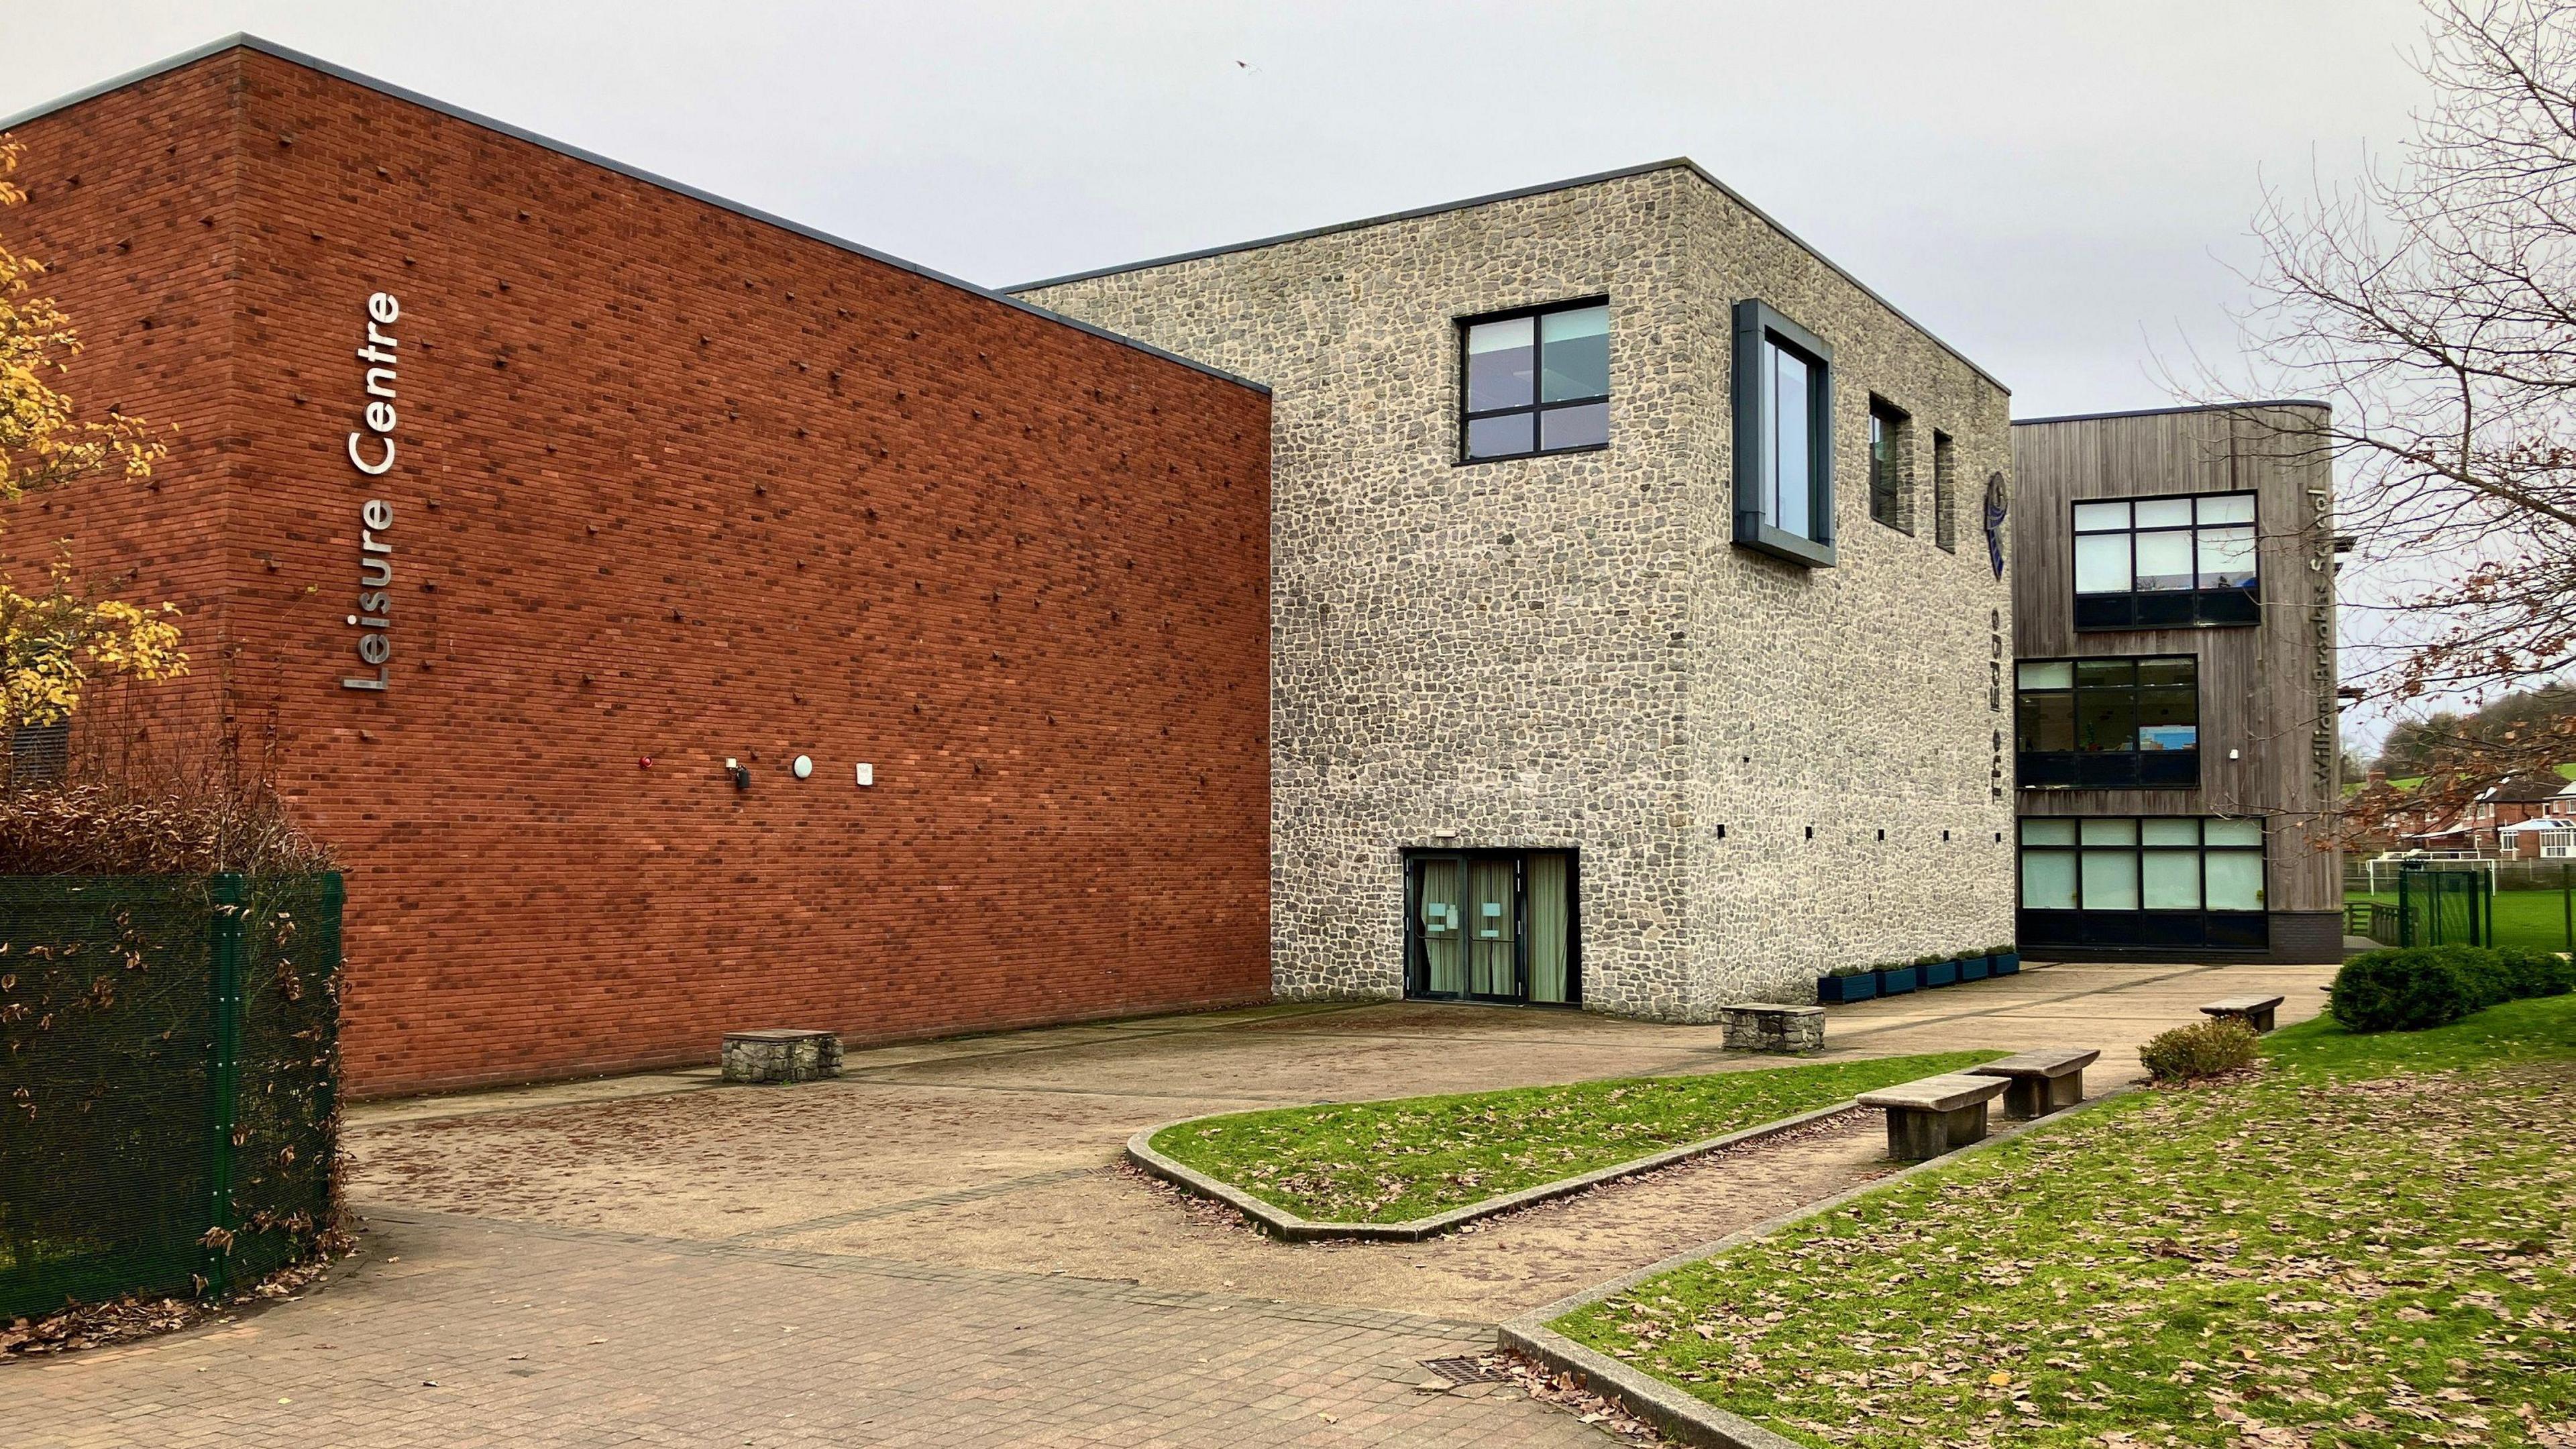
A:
(55, 644)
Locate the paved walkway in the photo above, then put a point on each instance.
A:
(936, 1250)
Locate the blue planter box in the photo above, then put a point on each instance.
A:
(1941, 973)
(1898, 980)
(2006, 963)
(1972, 968)
(1839, 990)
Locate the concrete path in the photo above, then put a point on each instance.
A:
(937, 1249)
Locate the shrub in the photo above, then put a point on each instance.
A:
(1847, 969)
(1932, 960)
(2006, 949)
(2203, 1049)
(2537, 973)
(2404, 990)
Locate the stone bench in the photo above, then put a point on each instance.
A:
(1764, 1026)
(2038, 1083)
(781, 1054)
(2254, 1011)
(1935, 1115)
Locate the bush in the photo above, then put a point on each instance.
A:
(2203, 1049)
(2436, 985)
(1847, 969)
(2537, 973)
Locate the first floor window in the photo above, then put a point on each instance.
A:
(1784, 452)
(2107, 723)
(1945, 493)
(1535, 381)
(2145, 881)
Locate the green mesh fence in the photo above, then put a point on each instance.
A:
(167, 1081)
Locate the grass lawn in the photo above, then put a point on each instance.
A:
(2368, 1245)
(2532, 920)
(1385, 1162)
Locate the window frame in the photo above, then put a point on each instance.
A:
(2225, 607)
(1897, 426)
(2109, 769)
(1537, 406)
(2142, 926)
(1757, 323)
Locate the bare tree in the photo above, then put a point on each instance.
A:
(2434, 304)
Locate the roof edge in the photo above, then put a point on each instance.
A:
(2226, 407)
(1674, 163)
(242, 40)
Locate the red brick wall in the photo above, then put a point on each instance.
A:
(677, 484)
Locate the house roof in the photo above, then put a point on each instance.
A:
(681, 188)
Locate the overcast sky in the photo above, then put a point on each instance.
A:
(2058, 190)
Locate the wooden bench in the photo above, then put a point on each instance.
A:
(1935, 1115)
(2254, 1011)
(2038, 1083)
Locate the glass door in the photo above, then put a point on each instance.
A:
(1492, 925)
(1439, 937)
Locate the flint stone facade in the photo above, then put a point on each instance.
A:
(1766, 770)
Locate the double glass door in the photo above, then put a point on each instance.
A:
(1491, 925)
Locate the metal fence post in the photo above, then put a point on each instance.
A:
(228, 901)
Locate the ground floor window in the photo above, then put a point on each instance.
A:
(2152, 882)
(1492, 925)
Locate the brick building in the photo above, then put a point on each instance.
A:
(673, 617)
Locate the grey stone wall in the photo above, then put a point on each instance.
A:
(1569, 651)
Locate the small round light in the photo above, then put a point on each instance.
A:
(804, 766)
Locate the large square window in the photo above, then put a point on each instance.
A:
(1784, 442)
(2166, 563)
(1535, 381)
(2107, 724)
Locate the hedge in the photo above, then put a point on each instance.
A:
(2427, 986)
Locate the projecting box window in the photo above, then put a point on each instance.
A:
(2166, 563)
(1536, 381)
(2107, 724)
(1784, 438)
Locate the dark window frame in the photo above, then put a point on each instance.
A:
(2229, 607)
(1893, 427)
(2142, 927)
(1757, 323)
(1945, 492)
(1538, 373)
(2078, 768)
(1416, 969)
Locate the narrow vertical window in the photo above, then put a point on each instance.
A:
(1890, 443)
(1535, 381)
(1945, 493)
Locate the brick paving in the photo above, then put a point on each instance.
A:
(457, 1331)
(657, 1261)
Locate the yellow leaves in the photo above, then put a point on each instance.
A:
(54, 645)
(42, 443)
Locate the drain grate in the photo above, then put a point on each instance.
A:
(1459, 1370)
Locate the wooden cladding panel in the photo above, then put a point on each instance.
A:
(2259, 693)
